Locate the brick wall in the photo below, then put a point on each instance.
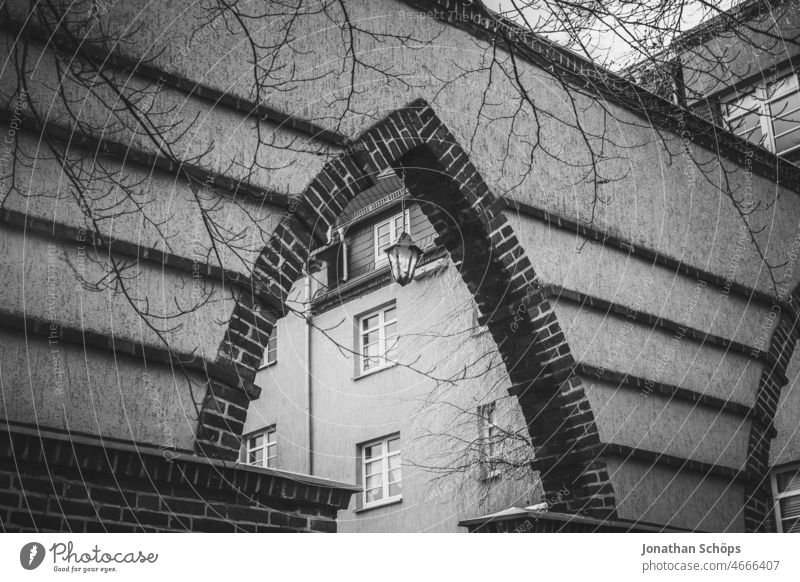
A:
(470, 224)
(58, 483)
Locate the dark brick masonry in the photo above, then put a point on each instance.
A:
(483, 247)
(62, 483)
(758, 502)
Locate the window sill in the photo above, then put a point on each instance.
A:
(385, 503)
(374, 371)
(265, 366)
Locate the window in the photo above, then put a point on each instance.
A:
(489, 440)
(387, 232)
(378, 339)
(271, 351)
(786, 491)
(260, 449)
(768, 114)
(380, 474)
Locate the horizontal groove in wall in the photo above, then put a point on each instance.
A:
(186, 362)
(679, 463)
(645, 387)
(596, 303)
(599, 236)
(71, 234)
(161, 77)
(104, 147)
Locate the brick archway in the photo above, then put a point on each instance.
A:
(758, 512)
(494, 267)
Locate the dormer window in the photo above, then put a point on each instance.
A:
(386, 233)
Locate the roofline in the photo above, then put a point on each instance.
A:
(173, 454)
(591, 77)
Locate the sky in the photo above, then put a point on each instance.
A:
(609, 47)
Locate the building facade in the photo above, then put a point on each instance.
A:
(635, 308)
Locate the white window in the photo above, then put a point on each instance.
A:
(387, 232)
(377, 333)
(271, 351)
(768, 114)
(786, 492)
(260, 449)
(381, 477)
(489, 440)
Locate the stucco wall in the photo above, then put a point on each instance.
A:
(434, 421)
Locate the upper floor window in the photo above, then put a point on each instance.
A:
(786, 491)
(381, 474)
(377, 339)
(387, 232)
(271, 351)
(489, 441)
(261, 448)
(768, 114)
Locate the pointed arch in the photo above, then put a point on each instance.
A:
(492, 263)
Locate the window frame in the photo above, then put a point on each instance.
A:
(778, 496)
(384, 363)
(379, 255)
(266, 444)
(271, 347)
(384, 459)
(764, 97)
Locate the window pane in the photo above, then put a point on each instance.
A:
(374, 481)
(271, 462)
(369, 337)
(390, 314)
(382, 229)
(371, 356)
(790, 507)
(783, 106)
(256, 441)
(369, 322)
(390, 329)
(373, 468)
(373, 450)
(255, 457)
(394, 445)
(748, 127)
(787, 141)
(791, 525)
(394, 476)
(394, 462)
(374, 494)
(395, 489)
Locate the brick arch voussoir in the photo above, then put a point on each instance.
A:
(494, 267)
(758, 508)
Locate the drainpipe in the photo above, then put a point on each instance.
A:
(309, 386)
(345, 262)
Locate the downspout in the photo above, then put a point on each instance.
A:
(345, 262)
(309, 384)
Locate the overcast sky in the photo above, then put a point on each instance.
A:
(608, 47)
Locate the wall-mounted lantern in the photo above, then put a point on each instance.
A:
(404, 257)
